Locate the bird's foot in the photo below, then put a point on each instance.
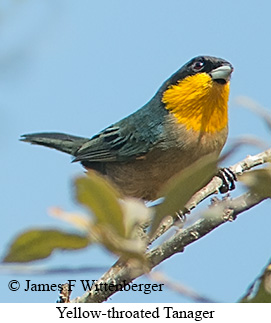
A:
(228, 178)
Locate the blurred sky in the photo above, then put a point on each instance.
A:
(79, 66)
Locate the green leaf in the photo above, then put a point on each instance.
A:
(124, 248)
(178, 191)
(136, 214)
(258, 181)
(39, 244)
(134, 244)
(101, 198)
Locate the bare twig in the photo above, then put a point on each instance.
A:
(31, 270)
(238, 169)
(64, 295)
(178, 288)
(213, 187)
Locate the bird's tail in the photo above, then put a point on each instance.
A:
(66, 143)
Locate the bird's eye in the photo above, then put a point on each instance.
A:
(197, 65)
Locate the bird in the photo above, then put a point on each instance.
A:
(186, 119)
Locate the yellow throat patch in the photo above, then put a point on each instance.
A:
(199, 103)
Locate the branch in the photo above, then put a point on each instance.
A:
(238, 169)
(178, 288)
(31, 270)
(213, 188)
(223, 211)
(219, 213)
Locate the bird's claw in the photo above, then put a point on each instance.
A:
(228, 178)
